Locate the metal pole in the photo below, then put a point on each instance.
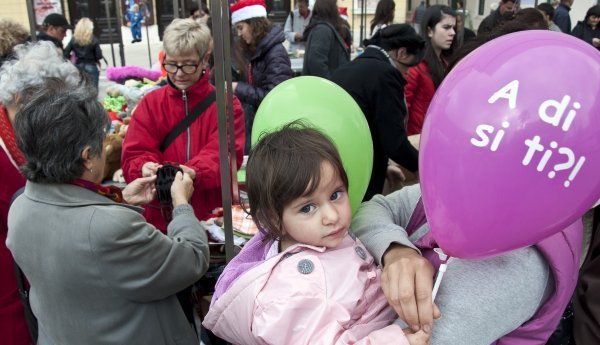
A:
(32, 23)
(219, 13)
(147, 37)
(362, 15)
(120, 24)
(112, 49)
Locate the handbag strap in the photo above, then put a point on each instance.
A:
(188, 120)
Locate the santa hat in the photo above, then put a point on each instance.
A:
(246, 9)
(343, 13)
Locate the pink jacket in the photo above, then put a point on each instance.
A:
(308, 295)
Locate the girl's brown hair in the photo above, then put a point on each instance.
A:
(286, 165)
(260, 27)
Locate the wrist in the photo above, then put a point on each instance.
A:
(395, 251)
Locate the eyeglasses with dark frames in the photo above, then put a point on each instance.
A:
(186, 69)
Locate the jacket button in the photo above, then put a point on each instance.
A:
(360, 252)
(305, 266)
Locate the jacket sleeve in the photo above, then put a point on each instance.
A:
(278, 69)
(382, 220)
(294, 309)
(317, 52)
(288, 30)
(411, 87)
(98, 52)
(141, 143)
(483, 300)
(206, 162)
(390, 116)
(142, 264)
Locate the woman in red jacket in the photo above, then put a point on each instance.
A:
(439, 30)
(187, 46)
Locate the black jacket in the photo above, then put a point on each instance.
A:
(584, 31)
(90, 53)
(42, 36)
(378, 88)
(270, 65)
(326, 50)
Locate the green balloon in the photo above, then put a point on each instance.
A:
(329, 108)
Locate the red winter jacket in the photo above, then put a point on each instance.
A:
(155, 116)
(418, 91)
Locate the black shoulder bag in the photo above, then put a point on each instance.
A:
(30, 319)
(188, 120)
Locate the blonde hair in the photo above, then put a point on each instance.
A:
(187, 36)
(84, 32)
(11, 34)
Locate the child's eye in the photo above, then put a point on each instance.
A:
(307, 208)
(336, 195)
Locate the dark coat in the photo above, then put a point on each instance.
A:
(490, 22)
(562, 18)
(90, 53)
(378, 88)
(270, 65)
(583, 31)
(326, 50)
(42, 36)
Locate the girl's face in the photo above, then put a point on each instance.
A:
(320, 219)
(443, 33)
(244, 31)
(593, 21)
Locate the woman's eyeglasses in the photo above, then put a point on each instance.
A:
(186, 69)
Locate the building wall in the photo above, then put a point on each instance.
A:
(15, 9)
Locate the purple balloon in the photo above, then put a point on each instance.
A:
(510, 148)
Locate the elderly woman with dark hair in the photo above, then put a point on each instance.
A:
(99, 273)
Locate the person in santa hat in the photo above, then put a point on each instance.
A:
(266, 61)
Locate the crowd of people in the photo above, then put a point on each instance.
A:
(107, 265)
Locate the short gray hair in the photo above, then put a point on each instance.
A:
(187, 36)
(55, 127)
(33, 63)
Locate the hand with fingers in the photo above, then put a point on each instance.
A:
(189, 171)
(140, 191)
(407, 282)
(149, 169)
(181, 189)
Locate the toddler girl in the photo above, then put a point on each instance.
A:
(312, 283)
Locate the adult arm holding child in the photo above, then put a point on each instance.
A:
(480, 300)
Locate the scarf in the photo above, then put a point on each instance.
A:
(8, 137)
(112, 192)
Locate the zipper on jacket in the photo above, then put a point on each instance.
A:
(189, 133)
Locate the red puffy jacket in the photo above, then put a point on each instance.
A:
(418, 91)
(155, 116)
